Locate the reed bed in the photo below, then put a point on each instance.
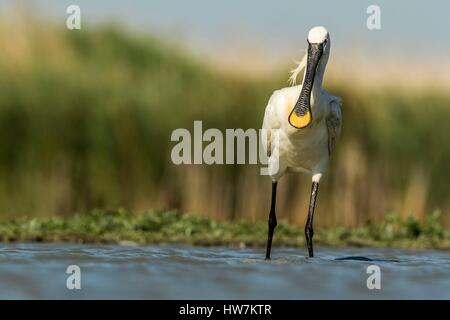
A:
(86, 118)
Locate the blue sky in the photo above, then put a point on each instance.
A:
(408, 27)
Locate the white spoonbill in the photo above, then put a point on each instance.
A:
(308, 123)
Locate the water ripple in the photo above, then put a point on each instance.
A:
(185, 272)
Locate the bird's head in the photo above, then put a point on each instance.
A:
(315, 59)
(318, 46)
(318, 35)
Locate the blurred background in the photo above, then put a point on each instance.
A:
(86, 115)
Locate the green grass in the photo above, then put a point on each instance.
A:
(120, 226)
(86, 118)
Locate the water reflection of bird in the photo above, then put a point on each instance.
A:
(302, 124)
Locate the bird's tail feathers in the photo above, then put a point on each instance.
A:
(295, 72)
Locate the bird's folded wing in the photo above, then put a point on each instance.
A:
(334, 123)
(270, 123)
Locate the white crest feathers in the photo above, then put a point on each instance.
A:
(295, 72)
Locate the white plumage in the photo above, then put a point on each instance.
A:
(301, 150)
(306, 149)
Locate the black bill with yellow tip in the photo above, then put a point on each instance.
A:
(301, 116)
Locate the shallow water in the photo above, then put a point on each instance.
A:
(30, 271)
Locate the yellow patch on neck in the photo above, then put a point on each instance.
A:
(299, 122)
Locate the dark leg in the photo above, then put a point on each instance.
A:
(272, 220)
(309, 232)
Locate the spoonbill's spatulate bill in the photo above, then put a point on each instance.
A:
(308, 120)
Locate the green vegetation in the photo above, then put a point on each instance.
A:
(86, 118)
(123, 227)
